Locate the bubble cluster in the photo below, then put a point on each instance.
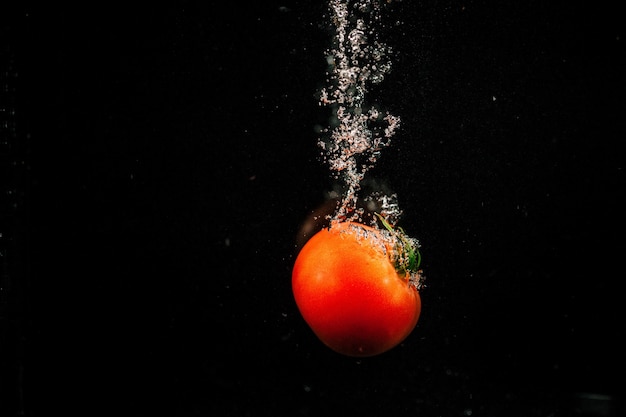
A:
(359, 131)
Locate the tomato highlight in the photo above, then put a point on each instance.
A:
(357, 287)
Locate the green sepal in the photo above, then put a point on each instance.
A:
(409, 257)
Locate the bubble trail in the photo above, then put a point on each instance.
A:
(359, 131)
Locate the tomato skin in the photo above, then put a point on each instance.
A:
(350, 294)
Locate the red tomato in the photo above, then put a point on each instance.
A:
(350, 293)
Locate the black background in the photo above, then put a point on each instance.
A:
(159, 163)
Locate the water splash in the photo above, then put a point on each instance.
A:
(359, 131)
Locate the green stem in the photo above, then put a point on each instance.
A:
(409, 257)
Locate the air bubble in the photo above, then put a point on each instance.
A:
(358, 131)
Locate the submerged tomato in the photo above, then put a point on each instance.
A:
(350, 293)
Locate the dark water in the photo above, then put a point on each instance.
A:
(157, 165)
